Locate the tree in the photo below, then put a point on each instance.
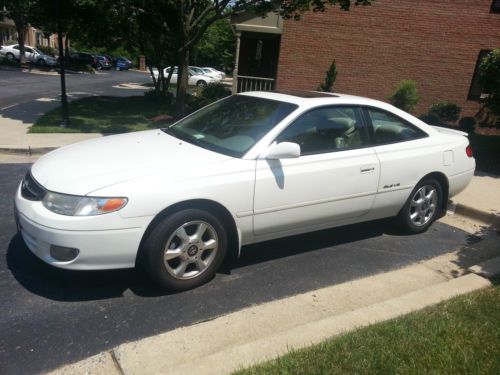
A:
(217, 46)
(19, 11)
(490, 80)
(195, 16)
(330, 77)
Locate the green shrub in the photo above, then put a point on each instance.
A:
(48, 50)
(206, 95)
(405, 95)
(446, 111)
(330, 77)
(215, 91)
(467, 124)
(430, 118)
(5, 61)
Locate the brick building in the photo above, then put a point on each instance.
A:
(436, 43)
(34, 37)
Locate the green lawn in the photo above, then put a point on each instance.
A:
(103, 114)
(460, 336)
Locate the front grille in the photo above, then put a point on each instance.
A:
(32, 190)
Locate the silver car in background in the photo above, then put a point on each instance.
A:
(32, 54)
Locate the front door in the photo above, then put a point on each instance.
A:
(335, 178)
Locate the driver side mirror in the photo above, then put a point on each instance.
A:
(283, 150)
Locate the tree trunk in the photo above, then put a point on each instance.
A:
(21, 33)
(66, 46)
(182, 83)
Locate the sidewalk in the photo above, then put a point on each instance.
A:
(14, 138)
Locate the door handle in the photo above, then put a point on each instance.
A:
(367, 169)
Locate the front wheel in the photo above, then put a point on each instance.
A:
(185, 249)
(201, 83)
(422, 207)
(10, 56)
(41, 62)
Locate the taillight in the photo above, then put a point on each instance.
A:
(469, 152)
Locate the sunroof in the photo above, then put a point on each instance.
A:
(308, 94)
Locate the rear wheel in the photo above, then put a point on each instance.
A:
(422, 207)
(185, 249)
(201, 83)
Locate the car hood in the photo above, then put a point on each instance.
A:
(87, 166)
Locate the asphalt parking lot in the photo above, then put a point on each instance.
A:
(52, 317)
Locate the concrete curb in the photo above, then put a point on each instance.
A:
(474, 213)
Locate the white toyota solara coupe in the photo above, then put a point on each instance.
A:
(245, 169)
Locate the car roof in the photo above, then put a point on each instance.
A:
(315, 98)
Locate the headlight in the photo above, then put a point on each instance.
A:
(72, 205)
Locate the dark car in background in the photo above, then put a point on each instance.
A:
(103, 62)
(122, 63)
(84, 58)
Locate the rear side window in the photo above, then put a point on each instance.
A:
(389, 128)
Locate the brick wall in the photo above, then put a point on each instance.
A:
(434, 42)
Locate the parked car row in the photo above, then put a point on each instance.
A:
(12, 52)
(196, 76)
(102, 61)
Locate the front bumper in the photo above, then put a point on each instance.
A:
(103, 242)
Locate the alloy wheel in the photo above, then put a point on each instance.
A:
(190, 250)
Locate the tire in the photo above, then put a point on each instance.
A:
(41, 62)
(192, 260)
(422, 207)
(99, 67)
(9, 56)
(201, 83)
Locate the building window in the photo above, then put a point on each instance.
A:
(495, 6)
(476, 90)
(38, 38)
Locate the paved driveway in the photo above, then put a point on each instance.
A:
(18, 87)
(50, 317)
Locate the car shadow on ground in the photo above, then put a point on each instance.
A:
(63, 285)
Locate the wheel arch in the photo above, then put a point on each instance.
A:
(215, 208)
(443, 180)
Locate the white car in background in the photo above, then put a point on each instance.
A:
(222, 75)
(32, 54)
(194, 79)
(208, 72)
(248, 168)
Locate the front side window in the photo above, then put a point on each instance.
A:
(326, 129)
(231, 126)
(389, 128)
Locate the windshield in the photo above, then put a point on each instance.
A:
(233, 125)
